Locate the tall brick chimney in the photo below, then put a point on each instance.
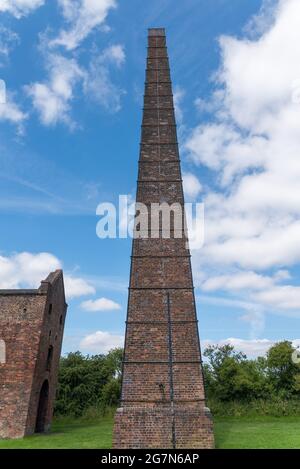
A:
(163, 400)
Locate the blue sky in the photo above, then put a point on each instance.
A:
(69, 140)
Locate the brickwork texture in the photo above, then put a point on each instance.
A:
(163, 398)
(31, 331)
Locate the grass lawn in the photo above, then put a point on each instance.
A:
(237, 432)
(258, 433)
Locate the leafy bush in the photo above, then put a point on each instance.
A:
(88, 382)
(89, 386)
(254, 408)
(230, 376)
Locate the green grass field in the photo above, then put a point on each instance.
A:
(237, 432)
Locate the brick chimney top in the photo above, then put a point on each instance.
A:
(157, 31)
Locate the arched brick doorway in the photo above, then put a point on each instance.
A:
(42, 408)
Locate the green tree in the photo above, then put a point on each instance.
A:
(88, 381)
(230, 376)
(111, 391)
(282, 370)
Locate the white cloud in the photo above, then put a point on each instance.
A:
(83, 16)
(19, 8)
(286, 297)
(178, 97)
(27, 270)
(255, 294)
(266, 292)
(264, 19)
(76, 287)
(251, 147)
(101, 342)
(98, 84)
(256, 321)
(252, 348)
(101, 304)
(114, 54)
(209, 106)
(11, 112)
(191, 185)
(242, 280)
(250, 311)
(8, 40)
(221, 147)
(52, 99)
(229, 303)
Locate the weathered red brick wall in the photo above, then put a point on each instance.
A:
(20, 325)
(25, 326)
(142, 426)
(51, 335)
(163, 400)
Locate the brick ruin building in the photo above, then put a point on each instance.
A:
(31, 333)
(163, 399)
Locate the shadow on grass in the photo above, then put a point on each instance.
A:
(223, 432)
